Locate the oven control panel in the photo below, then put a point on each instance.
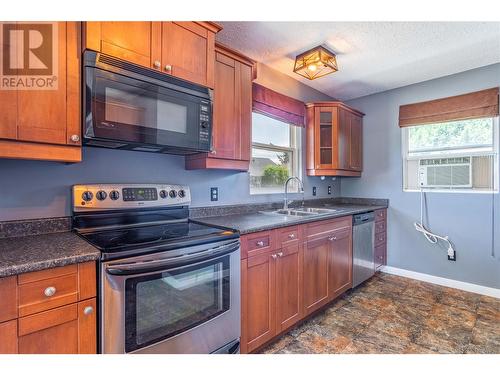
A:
(116, 196)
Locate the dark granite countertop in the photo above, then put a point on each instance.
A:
(258, 221)
(38, 252)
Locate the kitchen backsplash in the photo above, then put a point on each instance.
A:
(36, 189)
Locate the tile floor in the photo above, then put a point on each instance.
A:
(392, 314)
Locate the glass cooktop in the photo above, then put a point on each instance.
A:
(112, 240)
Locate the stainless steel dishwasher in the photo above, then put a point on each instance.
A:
(363, 233)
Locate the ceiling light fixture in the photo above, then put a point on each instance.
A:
(315, 63)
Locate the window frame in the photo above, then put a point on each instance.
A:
(295, 149)
(452, 152)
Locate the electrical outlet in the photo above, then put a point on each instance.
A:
(214, 194)
(329, 190)
(314, 191)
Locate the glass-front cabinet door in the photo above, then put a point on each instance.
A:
(325, 135)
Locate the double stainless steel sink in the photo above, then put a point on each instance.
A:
(304, 211)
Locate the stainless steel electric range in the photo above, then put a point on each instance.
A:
(167, 285)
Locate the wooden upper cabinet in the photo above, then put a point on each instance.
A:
(232, 114)
(136, 42)
(334, 140)
(46, 120)
(183, 49)
(188, 51)
(356, 142)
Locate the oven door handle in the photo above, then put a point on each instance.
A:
(135, 268)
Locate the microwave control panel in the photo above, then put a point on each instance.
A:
(205, 123)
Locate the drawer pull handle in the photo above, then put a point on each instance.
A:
(274, 256)
(88, 310)
(280, 254)
(260, 243)
(291, 236)
(50, 291)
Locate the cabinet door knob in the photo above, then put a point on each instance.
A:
(213, 152)
(333, 238)
(50, 291)
(280, 254)
(157, 64)
(291, 236)
(168, 68)
(274, 256)
(260, 243)
(88, 310)
(75, 138)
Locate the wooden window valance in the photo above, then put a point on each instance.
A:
(477, 104)
(278, 106)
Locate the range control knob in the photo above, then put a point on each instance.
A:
(114, 195)
(87, 196)
(101, 195)
(181, 193)
(163, 194)
(172, 193)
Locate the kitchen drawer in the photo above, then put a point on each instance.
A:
(287, 236)
(380, 226)
(380, 238)
(256, 243)
(8, 298)
(325, 226)
(41, 295)
(380, 255)
(380, 215)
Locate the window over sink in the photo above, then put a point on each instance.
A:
(276, 155)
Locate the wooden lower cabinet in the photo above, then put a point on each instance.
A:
(52, 311)
(8, 337)
(258, 296)
(69, 329)
(316, 273)
(288, 287)
(340, 263)
(296, 271)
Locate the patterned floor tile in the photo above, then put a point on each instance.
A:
(392, 314)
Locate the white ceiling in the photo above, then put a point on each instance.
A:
(372, 56)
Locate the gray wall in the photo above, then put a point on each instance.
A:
(466, 218)
(35, 189)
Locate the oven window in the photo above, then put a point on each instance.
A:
(136, 106)
(165, 304)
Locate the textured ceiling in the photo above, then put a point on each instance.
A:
(372, 56)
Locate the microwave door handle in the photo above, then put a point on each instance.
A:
(164, 264)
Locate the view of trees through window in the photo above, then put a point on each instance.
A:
(275, 154)
(456, 134)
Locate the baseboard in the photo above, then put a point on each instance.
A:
(468, 287)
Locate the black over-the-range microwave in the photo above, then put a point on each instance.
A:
(130, 107)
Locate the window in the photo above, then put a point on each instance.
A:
(451, 156)
(275, 154)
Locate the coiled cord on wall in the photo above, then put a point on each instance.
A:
(432, 237)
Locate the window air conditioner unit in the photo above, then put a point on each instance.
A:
(445, 173)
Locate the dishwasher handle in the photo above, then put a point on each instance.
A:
(363, 218)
